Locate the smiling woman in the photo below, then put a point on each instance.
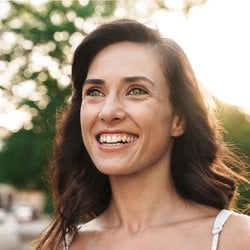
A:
(121, 103)
(138, 154)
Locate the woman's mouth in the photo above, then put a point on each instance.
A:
(116, 139)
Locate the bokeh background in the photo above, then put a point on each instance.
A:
(37, 40)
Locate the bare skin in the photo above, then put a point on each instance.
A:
(150, 222)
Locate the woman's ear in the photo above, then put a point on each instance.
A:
(178, 125)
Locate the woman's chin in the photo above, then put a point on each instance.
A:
(116, 169)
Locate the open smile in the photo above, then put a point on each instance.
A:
(115, 139)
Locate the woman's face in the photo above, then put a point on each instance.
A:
(127, 119)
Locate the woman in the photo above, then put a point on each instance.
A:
(138, 158)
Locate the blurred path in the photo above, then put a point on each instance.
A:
(16, 236)
(9, 234)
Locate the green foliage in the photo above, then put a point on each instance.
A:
(237, 125)
(22, 158)
(42, 53)
(237, 134)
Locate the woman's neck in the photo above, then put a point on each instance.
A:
(140, 200)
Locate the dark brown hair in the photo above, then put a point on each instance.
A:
(200, 163)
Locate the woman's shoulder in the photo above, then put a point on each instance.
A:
(237, 231)
(240, 223)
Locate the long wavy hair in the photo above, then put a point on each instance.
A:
(201, 164)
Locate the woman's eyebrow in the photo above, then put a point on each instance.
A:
(131, 79)
(127, 79)
(94, 81)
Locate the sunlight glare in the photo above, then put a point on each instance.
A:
(214, 37)
(5, 8)
(9, 119)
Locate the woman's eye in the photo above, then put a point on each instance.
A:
(94, 92)
(137, 91)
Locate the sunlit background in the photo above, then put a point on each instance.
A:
(37, 40)
(216, 38)
(214, 35)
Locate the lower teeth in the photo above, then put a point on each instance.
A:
(112, 144)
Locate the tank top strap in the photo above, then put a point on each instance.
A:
(219, 222)
(67, 241)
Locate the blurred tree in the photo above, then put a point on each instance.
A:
(237, 126)
(36, 47)
(237, 134)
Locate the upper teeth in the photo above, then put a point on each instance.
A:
(117, 138)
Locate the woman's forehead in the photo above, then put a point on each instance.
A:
(127, 58)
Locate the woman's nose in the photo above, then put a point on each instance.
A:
(112, 110)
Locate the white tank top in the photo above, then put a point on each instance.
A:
(219, 222)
